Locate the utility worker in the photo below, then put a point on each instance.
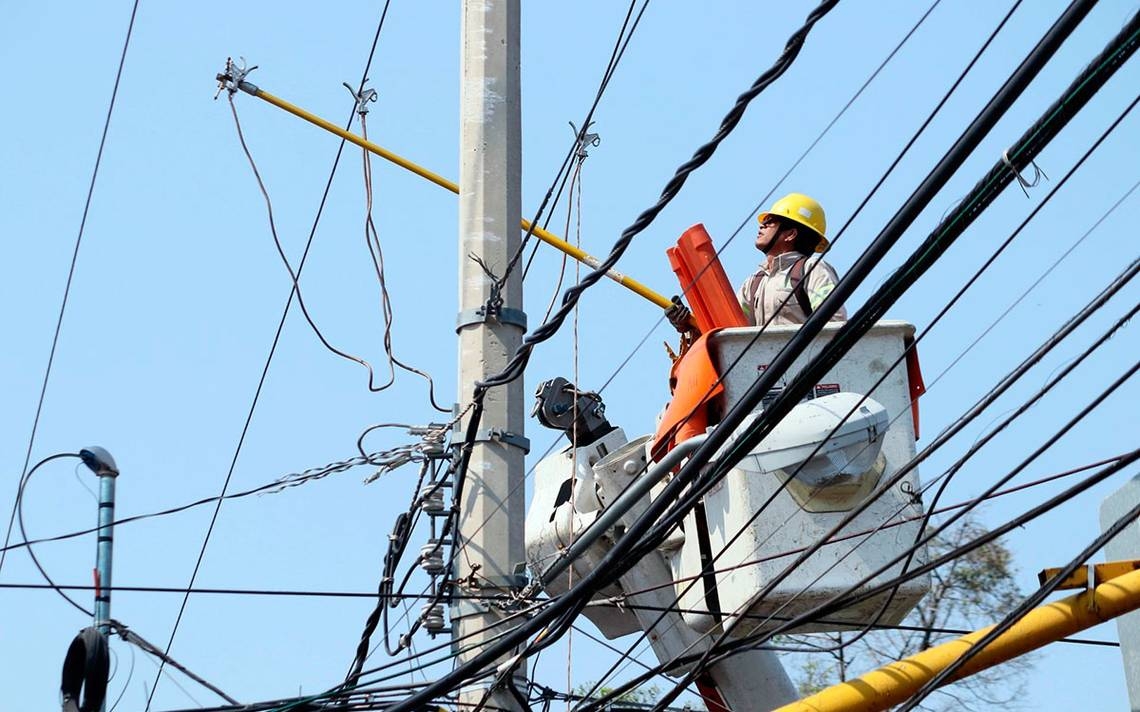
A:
(792, 282)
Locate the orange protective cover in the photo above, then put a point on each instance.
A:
(703, 281)
(695, 383)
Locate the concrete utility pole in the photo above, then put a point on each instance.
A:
(491, 524)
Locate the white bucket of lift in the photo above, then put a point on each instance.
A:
(801, 492)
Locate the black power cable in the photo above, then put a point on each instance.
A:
(904, 277)
(856, 593)
(1118, 283)
(862, 321)
(1117, 52)
(18, 508)
(1023, 608)
(264, 374)
(611, 566)
(522, 356)
(71, 270)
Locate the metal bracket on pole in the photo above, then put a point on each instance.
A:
(499, 435)
(503, 315)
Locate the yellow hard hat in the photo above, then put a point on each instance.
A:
(801, 209)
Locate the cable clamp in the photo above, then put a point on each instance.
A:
(498, 435)
(483, 315)
(1038, 174)
(233, 78)
(584, 139)
(363, 97)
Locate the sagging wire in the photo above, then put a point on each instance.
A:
(376, 253)
(127, 684)
(575, 182)
(269, 358)
(295, 275)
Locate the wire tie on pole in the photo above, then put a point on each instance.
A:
(1038, 174)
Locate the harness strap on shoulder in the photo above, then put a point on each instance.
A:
(796, 276)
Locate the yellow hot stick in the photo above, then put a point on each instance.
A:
(547, 237)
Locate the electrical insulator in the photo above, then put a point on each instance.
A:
(432, 617)
(431, 557)
(431, 500)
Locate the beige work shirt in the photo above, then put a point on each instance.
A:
(762, 293)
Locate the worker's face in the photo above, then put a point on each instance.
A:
(771, 235)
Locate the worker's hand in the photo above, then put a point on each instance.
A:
(679, 316)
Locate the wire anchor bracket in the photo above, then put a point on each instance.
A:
(1038, 174)
(232, 79)
(498, 435)
(364, 97)
(584, 139)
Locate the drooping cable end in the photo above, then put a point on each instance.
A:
(99, 461)
(233, 78)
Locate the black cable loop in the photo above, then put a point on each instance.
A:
(18, 508)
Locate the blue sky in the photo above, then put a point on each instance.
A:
(178, 288)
